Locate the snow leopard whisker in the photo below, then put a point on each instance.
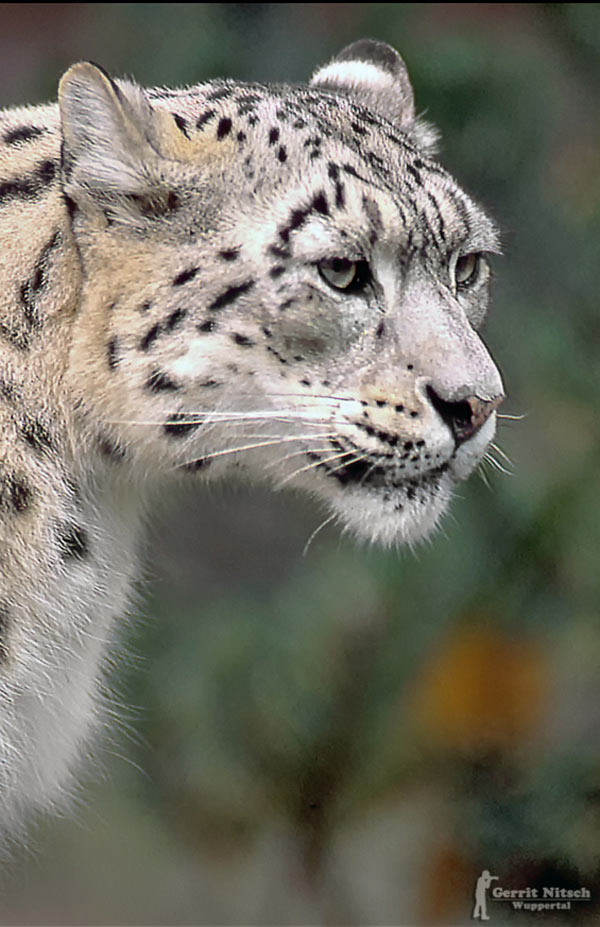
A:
(317, 531)
(496, 447)
(489, 458)
(313, 465)
(224, 418)
(356, 459)
(244, 447)
(301, 453)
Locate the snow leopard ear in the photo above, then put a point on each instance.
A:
(376, 76)
(113, 140)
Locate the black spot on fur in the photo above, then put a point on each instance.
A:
(71, 205)
(194, 465)
(181, 124)
(31, 186)
(230, 295)
(279, 252)
(36, 434)
(276, 354)
(243, 340)
(276, 271)
(111, 353)
(15, 494)
(185, 276)
(282, 154)
(159, 382)
(22, 134)
(319, 204)
(175, 319)
(224, 127)
(15, 335)
(31, 288)
(273, 135)
(150, 337)
(172, 201)
(4, 629)
(179, 425)
(205, 117)
(231, 254)
(221, 93)
(208, 326)
(8, 389)
(415, 174)
(380, 331)
(73, 542)
(111, 449)
(151, 206)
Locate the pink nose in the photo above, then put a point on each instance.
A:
(463, 417)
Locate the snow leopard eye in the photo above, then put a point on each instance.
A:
(466, 270)
(342, 274)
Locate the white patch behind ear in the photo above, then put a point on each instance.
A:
(375, 75)
(107, 133)
(375, 87)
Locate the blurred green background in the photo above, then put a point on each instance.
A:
(351, 736)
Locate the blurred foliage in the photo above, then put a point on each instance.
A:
(331, 685)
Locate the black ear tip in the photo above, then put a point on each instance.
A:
(372, 51)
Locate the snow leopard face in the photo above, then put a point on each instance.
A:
(282, 281)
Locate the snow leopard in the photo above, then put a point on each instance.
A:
(230, 279)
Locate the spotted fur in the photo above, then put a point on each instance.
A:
(269, 279)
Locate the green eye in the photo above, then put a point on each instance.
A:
(342, 274)
(466, 270)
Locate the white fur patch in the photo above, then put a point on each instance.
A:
(354, 74)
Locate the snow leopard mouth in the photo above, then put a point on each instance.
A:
(372, 473)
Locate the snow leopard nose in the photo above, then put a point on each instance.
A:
(463, 417)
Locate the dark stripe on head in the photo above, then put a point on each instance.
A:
(23, 134)
(181, 124)
(230, 295)
(150, 337)
(32, 287)
(30, 187)
(111, 353)
(205, 117)
(185, 276)
(175, 319)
